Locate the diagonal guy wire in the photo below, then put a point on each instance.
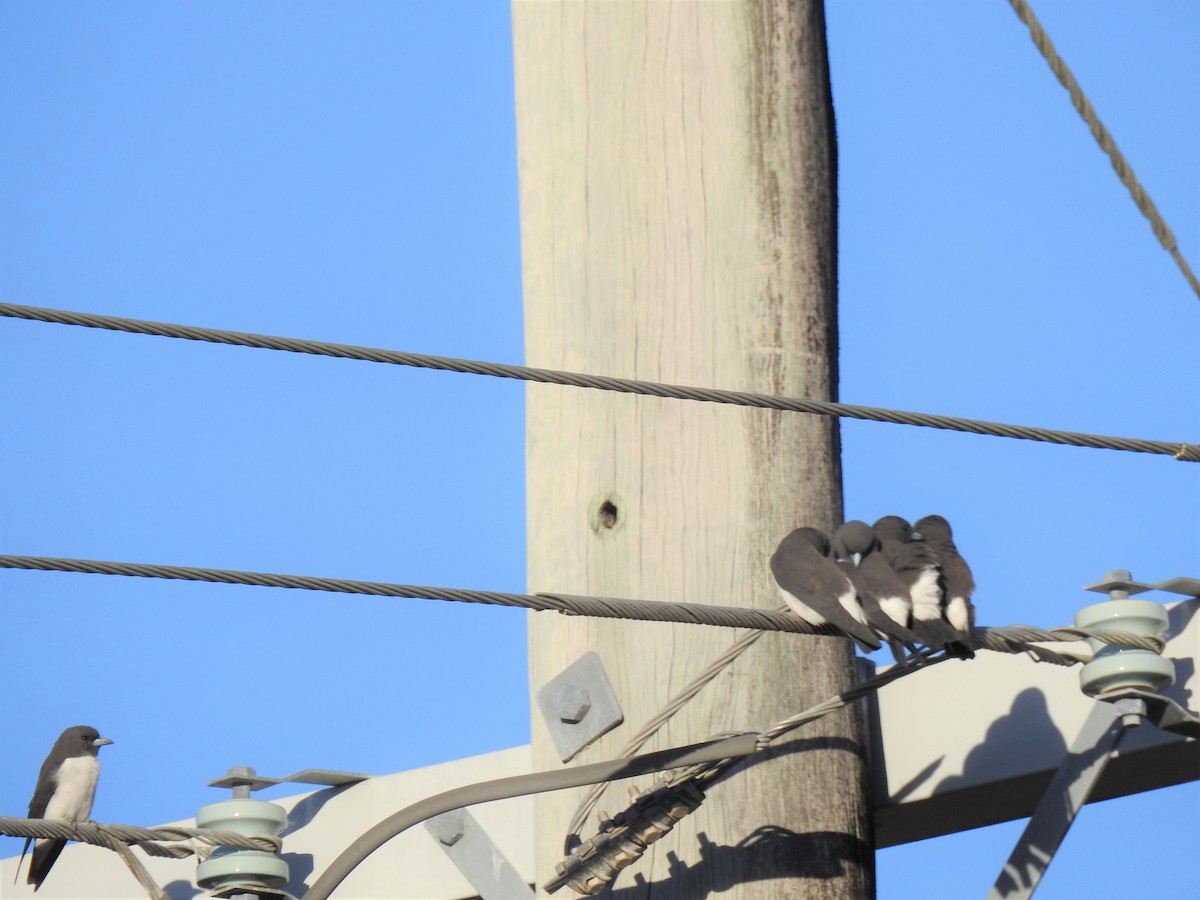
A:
(1180, 451)
(1104, 139)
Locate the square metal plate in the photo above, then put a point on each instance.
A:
(579, 705)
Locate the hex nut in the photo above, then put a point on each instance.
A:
(448, 828)
(572, 704)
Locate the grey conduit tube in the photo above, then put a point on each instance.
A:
(516, 786)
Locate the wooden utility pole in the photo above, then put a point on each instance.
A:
(678, 174)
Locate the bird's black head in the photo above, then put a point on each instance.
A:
(934, 528)
(82, 739)
(852, 539)
(894, 528)
(810, 536)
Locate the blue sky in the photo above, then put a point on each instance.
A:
(347, 172)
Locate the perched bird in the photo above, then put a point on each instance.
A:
(815, 589)
(914, 563)
(883, 595)
(957, 583)
(66, 787)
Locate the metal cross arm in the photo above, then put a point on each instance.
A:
(1111, 717)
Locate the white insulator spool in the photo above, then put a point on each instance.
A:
(233, 866)
(1116, 666)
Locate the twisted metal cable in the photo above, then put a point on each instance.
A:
(118, 838)
(846, 697)
(148, 839)
(1024, 638)
(1180, 451)
(568, 604)
(1124, 171)
(1006, 639)
(704, 774)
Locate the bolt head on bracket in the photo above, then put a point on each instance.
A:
(572, 704)
(448, 828)
(579, 705)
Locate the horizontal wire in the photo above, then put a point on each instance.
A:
(119, 838)
(568, 604)
(149, 839)
(1178, 450)
(1006, 639)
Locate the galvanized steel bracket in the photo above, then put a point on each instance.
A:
(1111, 717)
(477, 857)
(579, 705)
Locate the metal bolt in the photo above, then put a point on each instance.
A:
(1132, 710)
(572, 704)
(1118, 575)
(241, 791)
(448, 829)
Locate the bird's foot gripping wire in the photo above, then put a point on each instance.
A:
(622, 840)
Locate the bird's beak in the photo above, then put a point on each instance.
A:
(917, 536)
(100, 742)
(856, 558)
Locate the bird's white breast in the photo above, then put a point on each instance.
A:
(958, 612)
(898, 609)
(803, 610)
(853, 605)
(927, 596)
(75, 789)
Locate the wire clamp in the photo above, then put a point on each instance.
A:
(622, 841)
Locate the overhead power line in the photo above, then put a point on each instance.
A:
(598, 607)
(1124, 171)
(119, 839)
(1176, 449)
(1007, 639)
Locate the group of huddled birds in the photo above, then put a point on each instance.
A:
(894, 582)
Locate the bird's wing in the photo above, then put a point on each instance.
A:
(794, 577)
(880, 620)
(955, 602)
(46, 783)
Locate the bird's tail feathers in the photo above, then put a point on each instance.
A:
(17, 870)
(45, 853)
(935, 633)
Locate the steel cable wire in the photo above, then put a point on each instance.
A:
(1176, 449)
(119, 838)
(1120, 165)
(1007, 639)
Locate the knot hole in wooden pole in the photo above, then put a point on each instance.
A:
(606, 513)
